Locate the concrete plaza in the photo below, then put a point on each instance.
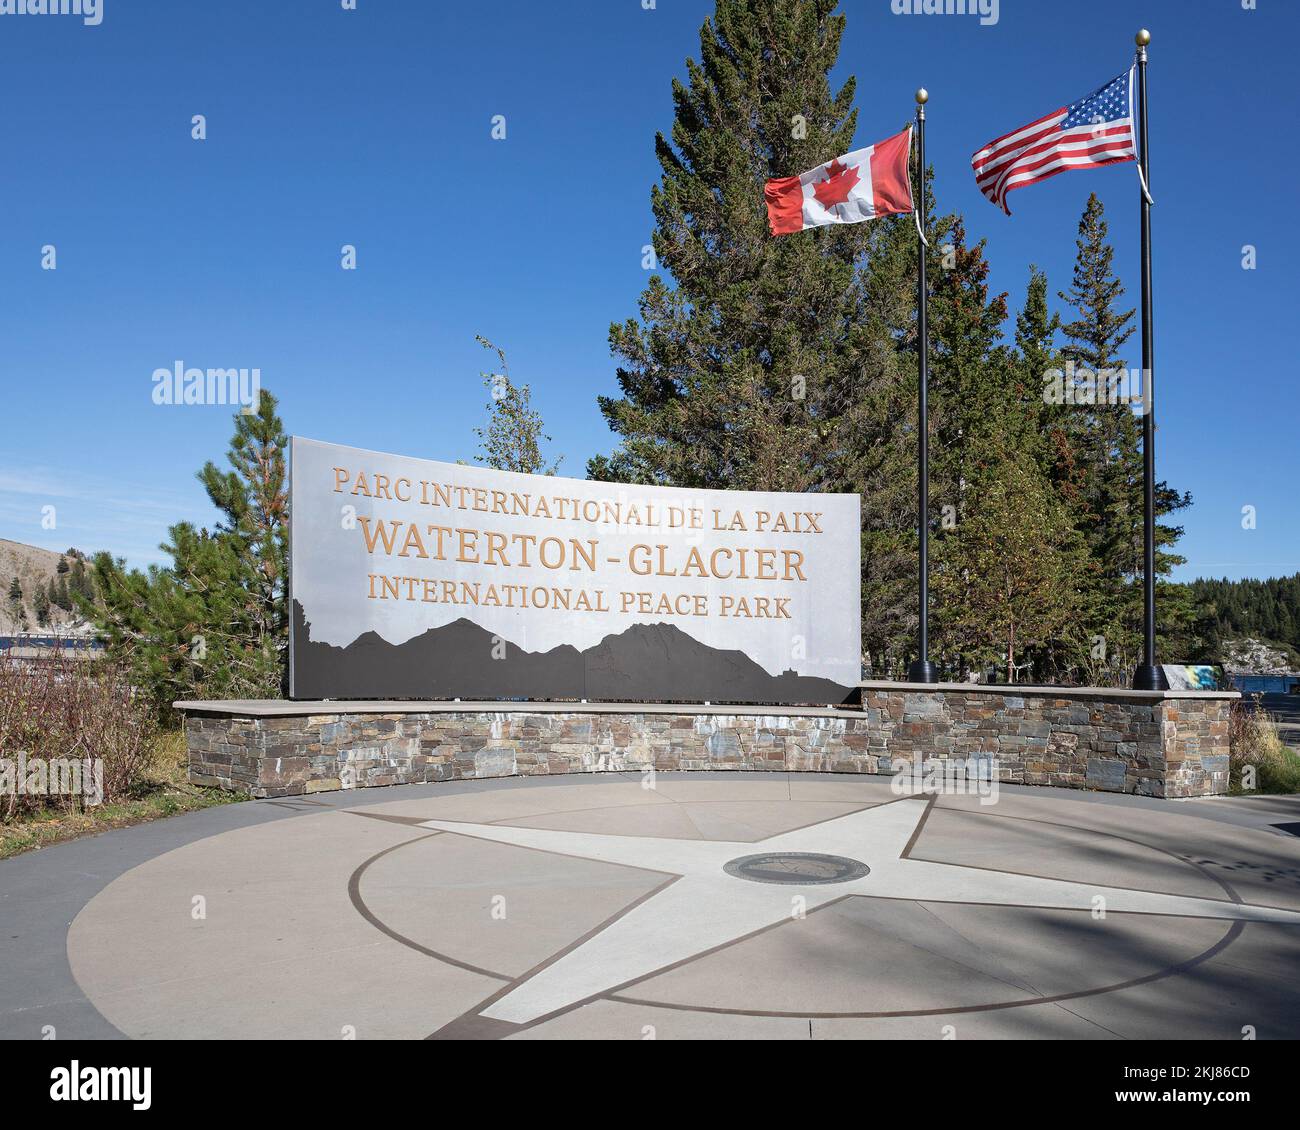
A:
(707, 905)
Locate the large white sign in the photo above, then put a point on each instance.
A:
(417, 579)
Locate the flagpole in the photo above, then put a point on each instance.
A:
(1148, 676)
(922, 670)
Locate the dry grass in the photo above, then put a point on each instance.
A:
(1258, 751)
(162, 790)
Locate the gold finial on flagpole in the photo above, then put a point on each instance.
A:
(1142, 38)
(922, 96)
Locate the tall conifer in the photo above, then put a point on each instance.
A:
(213, 623)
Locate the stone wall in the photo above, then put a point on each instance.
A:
(1172, 744)
(1127, 741)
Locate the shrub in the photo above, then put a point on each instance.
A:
(1257, 744)
(65, 710)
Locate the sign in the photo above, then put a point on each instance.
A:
(424, 580)
(1194, 677)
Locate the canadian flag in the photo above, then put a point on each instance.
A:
(859, 186)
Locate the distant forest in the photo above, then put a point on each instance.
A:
(1268, 610)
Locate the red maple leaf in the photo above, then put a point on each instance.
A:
(838, 184)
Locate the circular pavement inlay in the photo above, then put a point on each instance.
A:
(802, 867)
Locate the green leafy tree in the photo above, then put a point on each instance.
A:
(213, 623)
(513, 439)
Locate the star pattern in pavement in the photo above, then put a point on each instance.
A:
(703, 905)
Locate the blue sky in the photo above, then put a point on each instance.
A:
(373, 128)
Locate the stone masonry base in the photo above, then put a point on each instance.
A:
(1163, 744)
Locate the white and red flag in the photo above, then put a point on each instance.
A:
(859, 186)
(1095, 130)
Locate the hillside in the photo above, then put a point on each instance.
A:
(1251, 626)
(37, 572)
(1251, 656)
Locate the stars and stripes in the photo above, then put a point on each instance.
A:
(1096, 130)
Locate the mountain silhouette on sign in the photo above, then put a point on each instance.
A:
(462, 660)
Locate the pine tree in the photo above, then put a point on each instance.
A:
(212, 624)
(976, 410)
(875, 452)
(740, 372)
(80, 584)
(1228, 610)
(512, 441)
(41, 606)
(774, 363)
(1037, 327)
(1100, 332)
(1008, 583)
(1100, 453)
(16, 610)
(253, 499)
(59, 594)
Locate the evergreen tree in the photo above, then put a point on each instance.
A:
(41, 606)
(80, 585)
(1009, 582)
(1099, 454)
(977, 410)
(213, 623)
(739, 373)
(790, 363)
(1098, 335)
(774, 363)
(1262, 609)
(16, 611)
(253, 499)
(1037, 327)
(875, 453)
(59, 594)
(512, 441)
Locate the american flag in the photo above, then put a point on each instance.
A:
(1096, 130)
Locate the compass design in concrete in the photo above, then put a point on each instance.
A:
(708, 905)
(721, 906)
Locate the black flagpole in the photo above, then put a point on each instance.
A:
(1148, 676)
(922, 670)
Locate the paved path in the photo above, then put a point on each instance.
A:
(1285, 709)
(740, 905)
